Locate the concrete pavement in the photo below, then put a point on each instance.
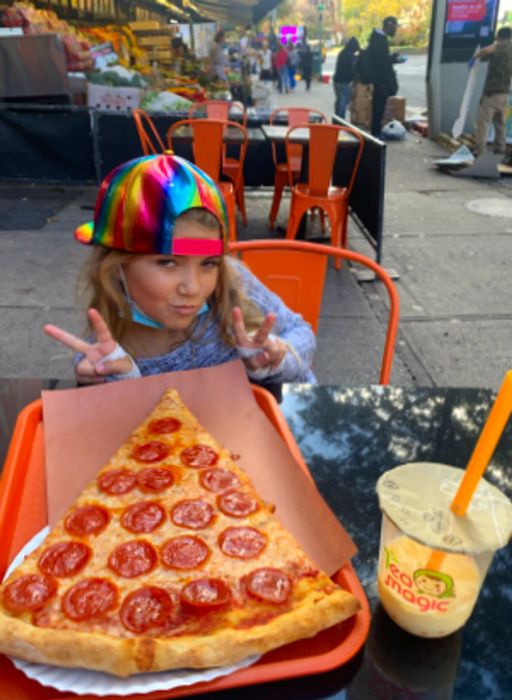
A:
(455, 284)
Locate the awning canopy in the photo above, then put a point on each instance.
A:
(238, 12)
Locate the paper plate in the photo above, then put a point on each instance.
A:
(83, 682)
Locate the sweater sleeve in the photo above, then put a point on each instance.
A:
(289, 326)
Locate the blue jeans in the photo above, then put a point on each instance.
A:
(343, 96)
(284, 79)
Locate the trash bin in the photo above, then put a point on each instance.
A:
(317, 62)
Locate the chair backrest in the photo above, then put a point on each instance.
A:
(150, 140)
(294, 116)
(295, 271)
(208, 143)
(323, 146)
(217, 109)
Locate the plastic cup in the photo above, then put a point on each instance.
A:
(432, 563)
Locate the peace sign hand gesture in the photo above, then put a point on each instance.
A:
(271, 349)
(92, 369)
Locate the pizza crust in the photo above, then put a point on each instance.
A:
(125, 657)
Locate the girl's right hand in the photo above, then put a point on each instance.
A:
(92, 369)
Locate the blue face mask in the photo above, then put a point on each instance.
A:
(138, 316)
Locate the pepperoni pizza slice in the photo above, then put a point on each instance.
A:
(168, 559)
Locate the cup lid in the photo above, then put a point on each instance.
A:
(416, 497)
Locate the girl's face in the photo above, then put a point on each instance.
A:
(173, 288)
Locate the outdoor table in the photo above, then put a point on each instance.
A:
(348, 437)
(231, 135)
(277, 132)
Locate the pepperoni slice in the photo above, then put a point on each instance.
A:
(216, 479)
(144, 516)
(147, 609)
(161, 426)
(87, 520)
(133, 559)
(64, 559)
(117, 481)
(237, 504)
(199, 456)
(150, 452)
(184, 552)
(195, 514)
(155, 479)
(29, 592)
(242, 542)
(270, 585)
(90, 598)
(205, 594)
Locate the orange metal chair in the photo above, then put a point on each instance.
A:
(294, 116)
(295, 271)
(217, 109)
(231, 167)
(318, 192)
(207, 147)
(150, 139)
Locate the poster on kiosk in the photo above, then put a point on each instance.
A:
(454, 82)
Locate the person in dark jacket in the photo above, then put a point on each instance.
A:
(384, 81)
(344, 75)
(494, 100)
(306, 63)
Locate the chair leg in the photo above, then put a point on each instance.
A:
(279, 183)
(322, 220)
(231, 210)
(240, 199)
(297, 211)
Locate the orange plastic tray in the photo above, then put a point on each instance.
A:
(23, 514)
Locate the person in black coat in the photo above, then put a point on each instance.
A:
(306, 63)
(344, 75)
(384, 80)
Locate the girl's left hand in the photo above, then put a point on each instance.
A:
(273, 349)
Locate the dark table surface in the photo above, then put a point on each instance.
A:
(349, 436)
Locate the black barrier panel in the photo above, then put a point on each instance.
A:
(39, 142)
(117, 142)
(367, 197)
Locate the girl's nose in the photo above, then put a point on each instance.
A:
(189, 282)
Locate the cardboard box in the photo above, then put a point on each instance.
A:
(361, 105)
(395, 109)
(112, 99)
(144, 26)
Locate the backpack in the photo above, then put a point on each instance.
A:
(364, 68)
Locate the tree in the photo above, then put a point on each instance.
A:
(361, 16)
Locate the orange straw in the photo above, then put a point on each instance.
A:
(435, 560)
(484, 448)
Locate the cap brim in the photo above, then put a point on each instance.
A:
(85, 232)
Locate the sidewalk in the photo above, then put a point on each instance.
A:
(455, 283)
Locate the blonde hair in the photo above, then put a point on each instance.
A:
(101, 286)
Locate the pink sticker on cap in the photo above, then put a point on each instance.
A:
(197, 246)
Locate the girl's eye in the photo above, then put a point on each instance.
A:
(211, 263)
(166, 262)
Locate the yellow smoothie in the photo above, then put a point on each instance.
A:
(425, 602)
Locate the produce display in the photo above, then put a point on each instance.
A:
(148, 56)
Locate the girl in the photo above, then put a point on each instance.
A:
(163, 294)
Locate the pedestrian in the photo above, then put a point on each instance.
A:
(163, 293)
(383, 76)
(266, 68)
(281, 64)
(218, 59)
(494, 100)
(293, 62)
(344, 76)
(306, 63)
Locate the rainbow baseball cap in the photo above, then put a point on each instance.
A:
(139, 202)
